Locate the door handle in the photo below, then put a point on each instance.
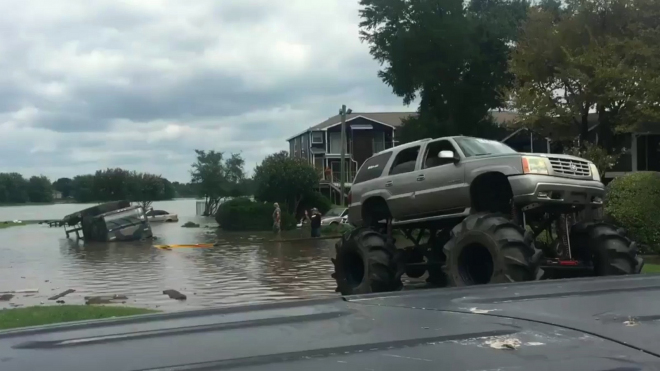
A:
(420, 178)
(389, 184)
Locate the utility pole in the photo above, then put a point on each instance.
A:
(342, 166)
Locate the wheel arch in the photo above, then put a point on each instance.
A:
(372, 204)
(486, 192)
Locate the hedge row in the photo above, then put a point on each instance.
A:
(243, 214)
(633, 203)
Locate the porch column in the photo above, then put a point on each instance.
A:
(633, 149)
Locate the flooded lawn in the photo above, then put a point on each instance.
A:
(246, 267)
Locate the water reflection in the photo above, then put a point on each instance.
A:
(243, 268)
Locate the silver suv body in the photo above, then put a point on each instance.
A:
(433, 179)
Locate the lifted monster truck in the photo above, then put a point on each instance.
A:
(477, 212)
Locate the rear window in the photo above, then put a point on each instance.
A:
(372, 168)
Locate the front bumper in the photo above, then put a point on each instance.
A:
(545, 189)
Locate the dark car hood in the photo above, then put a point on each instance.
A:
(589, 324)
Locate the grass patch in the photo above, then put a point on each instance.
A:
(11, 224)
(37, 316)
(651, 268)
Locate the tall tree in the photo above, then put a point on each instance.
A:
(40, 189)
(64, 185)
(13, 188)
(145, 188)
(451, 54)
(590, 56)
(215, 177)
(284, 179)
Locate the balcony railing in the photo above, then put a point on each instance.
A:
(335, 177)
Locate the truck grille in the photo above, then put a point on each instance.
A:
(571, 168)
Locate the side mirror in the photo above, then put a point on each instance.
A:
(448, 155)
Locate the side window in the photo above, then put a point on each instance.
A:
(433, 149)
(404, 162)
(372, 168)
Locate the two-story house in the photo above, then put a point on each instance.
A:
(366, 134)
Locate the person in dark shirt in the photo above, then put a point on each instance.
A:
(315, 222)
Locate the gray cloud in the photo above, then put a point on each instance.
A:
(100, 83)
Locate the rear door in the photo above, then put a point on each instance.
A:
(401, 183)
(442, 181)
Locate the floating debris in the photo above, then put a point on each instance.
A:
(24, 291)
(62, 294)
(106, 299)
(510, 344)
(631, 322)
(173, 294)
(482, 311)
(6, 297)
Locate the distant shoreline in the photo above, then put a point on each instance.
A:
(40, 203)
(66, 202)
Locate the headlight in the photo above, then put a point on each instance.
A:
(594, 172)
(534, 165)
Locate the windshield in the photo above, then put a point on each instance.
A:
(124, 218)
(334, 212)
(482, 147)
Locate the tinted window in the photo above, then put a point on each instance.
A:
(405, 161)
(124, 218)
(482, 147)
(433, 149)
(372, 168)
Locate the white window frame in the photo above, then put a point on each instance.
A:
(331, 141)
(320, 137)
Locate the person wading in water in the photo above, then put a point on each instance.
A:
(315, 222)
(277, 218)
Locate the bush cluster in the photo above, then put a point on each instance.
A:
(243, 214)
(633, 203)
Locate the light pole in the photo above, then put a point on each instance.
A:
(342, 166)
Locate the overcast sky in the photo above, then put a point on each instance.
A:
(141, 84)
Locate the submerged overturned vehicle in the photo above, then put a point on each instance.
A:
(111, 221)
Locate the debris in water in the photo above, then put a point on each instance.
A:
(631, 322)
(534, 343)
(173, 294)
(62, 294)
(24, 291)
(6, 297)
(481, 311)
(510, 343)
(108, 299)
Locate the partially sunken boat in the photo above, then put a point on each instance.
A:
(111, 221)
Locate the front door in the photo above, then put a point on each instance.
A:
(441, 182)
(401, 184)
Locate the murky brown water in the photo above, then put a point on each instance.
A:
(245, 268)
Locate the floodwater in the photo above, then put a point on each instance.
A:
(245, 268)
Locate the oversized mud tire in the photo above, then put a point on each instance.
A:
(438, 259)
(490, 248)
(365, 263)
(607, 248)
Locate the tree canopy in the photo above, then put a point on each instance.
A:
(451, 54)
(104, 185)
(216, 178)
(588, 56)
(284, 179)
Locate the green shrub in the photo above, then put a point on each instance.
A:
(633, 202)
(243, 214)
(336, 229)
(314, 199)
